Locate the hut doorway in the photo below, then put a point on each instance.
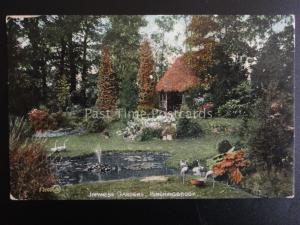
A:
(170, 101)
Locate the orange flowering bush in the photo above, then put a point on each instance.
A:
(231, 164)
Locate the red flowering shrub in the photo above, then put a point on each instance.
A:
(208, 106)
(231, 164)
(40, 120)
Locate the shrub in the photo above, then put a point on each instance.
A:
(19, 130)
(39, 120)
(135, 127)
(269, 143)
(270, 184)
(30, 168)
(208, 106)
(234, 108)
(44, 108)
(30, 171)
(94, 125)
(76, 110)
(60, 119)
(148, 134)
(187, 128)
(223, 146)
(231, 165)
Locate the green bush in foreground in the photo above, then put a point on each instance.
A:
(148, 134)
(187, 128)
(223, 146)
(94, 125)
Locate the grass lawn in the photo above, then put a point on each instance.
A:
(190, 149)
(174, 184)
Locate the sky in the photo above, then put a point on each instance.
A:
(179, 28)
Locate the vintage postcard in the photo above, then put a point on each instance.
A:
(151, 106)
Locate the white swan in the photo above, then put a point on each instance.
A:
(62, 147)
(54, 149)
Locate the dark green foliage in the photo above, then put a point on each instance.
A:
(123, 38)
(233, 108)
(269, 143)
(148, 134)
(128, 93)
(223, 146)
(186, 128)
(271, 139)
(228, 74)
(51, 47)
(276, 62)
(61, 120)
(94, 125)
(241, 102)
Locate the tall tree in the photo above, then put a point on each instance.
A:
(123, 37)
(106, 84)
(146, 80)
(19, 83)
(201, 39)
(217, 70)
(38, 55)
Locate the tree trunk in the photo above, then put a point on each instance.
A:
(44, 82)
(84, 71)
(72, 66)
(62, 59)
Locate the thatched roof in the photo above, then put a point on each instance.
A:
(178, 78)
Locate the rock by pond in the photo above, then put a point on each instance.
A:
(114, 165)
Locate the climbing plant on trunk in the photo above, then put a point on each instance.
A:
(107, 96)
(146, 81)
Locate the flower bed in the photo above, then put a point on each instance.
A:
(136, 126)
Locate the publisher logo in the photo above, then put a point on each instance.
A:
(54, 189)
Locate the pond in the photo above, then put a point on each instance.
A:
(110, 165)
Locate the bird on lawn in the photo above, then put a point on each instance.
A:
(210, 173)
(198, 169)
(62, 147)
(183, 171)
(183, 163)
(54, 149)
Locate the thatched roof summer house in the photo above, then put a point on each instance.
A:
(176, 80)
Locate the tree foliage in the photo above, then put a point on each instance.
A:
(270, 141)
(123, 37)
(146, 80)
(163, 49)
(62, 91)
(202, 43)
(106, 84)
